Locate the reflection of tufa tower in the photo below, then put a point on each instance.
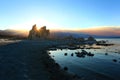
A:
(42, 33)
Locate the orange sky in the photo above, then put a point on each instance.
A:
(105, 31)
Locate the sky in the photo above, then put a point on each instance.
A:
(59, 14)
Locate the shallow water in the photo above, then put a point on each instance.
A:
(98, 67)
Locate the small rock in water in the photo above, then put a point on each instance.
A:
(114, 60)
(106, 53)
(72, 54)
(57, 65)
(65, 68)
(65, 54)
(90, 54)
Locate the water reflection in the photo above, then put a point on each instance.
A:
(83, 54)
(100, 64)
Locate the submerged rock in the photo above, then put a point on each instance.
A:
(72, 54)
(83, 53)
(49, 53)
(114, 60)
(91, 38)
(80, 55)
(90, 54)
(106, 53)
(77, 52)
(65, 54)
(65, 68)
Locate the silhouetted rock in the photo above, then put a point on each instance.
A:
(83, 54)
(106, 53)
(65, 68)
(65, 54)
(90, 54)
(91, 38)
(72, 54)
(42, 33)
(33, 32)
(81, 39)
(114, 60)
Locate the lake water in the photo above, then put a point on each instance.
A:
(98, 67)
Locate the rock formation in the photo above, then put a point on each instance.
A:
(42, 33)
(81, 39)
(33, 32)
(91, 38)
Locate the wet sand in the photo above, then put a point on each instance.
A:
(28, 60)
(7, 41)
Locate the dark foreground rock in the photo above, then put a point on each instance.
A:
(28, 60)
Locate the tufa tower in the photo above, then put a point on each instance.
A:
(42, 33)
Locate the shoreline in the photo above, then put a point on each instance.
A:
(56, 72)
(36, 64)
(35, 54)
(53, 68)
(62, 62)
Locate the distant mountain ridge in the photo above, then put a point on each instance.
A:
(79, 34)
(63, 34)
(12, 33)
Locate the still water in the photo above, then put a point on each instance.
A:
(97, 67)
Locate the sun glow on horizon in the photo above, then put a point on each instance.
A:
(95, 30)
(39, 22)
(28, 25)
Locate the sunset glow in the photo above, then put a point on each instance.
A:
(59, 39)
(105, 31)
(90, 16)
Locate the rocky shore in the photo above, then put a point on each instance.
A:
(29, 60)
